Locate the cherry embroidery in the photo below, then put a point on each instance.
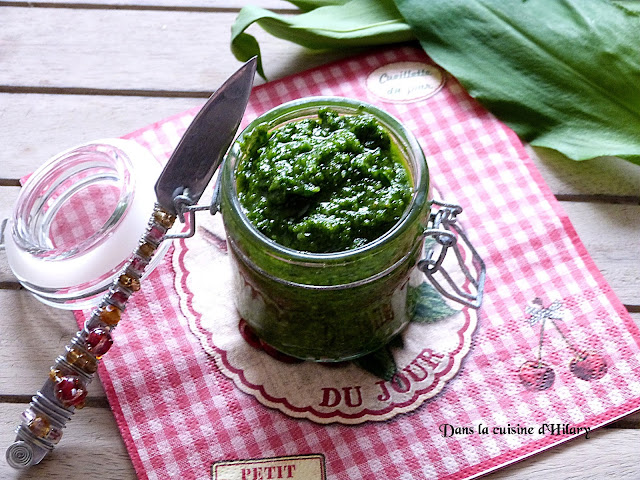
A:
(537, 375)
(588, 365)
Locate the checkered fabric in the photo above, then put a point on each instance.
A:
(80, 216)
(179, 414)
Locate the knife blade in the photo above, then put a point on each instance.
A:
(205, 142)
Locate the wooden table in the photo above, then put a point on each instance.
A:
(77, 71)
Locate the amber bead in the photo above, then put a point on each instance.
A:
(81, 360)
(39, 426)
(130, 282)
(146, 249)
(109, 315)
(164, 218)
(55, 374)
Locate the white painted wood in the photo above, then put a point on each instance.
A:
(33, 335)
(132, 49)
(162, 4)
(600, 176)
(45, 124)
(91, 448)
(35, 127)
(607, 453)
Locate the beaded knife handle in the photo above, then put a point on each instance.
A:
(178, 189)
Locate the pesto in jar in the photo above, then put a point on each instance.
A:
(325, 184)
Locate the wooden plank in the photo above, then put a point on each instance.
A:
(607, 453)
(215, 5)
(170, 51)
(34, 127)
(33, 335)
(605, 178)
(91, 448)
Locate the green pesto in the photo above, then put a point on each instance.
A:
(325, 184)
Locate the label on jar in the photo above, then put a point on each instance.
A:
(405, 82)
(428, 357)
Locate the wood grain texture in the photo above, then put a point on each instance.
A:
(77, 70)
(200, 5)
(35, 127)
(33, 335)
(179, 51)
(606, 453)
(600, 179)
(91, 448)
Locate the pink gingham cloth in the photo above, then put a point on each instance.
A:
(179, 414)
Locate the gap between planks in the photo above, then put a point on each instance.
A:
(94, 402)
(599, 198)
(104, 91)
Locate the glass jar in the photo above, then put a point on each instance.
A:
(78, 218)
(328, 306)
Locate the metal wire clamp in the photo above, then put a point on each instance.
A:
(185, 205)
(446, 234)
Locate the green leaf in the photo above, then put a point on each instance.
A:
(307, 5)
(428, 304)
(355, 23)
(633, 5)
(564, 74)
(379, 363)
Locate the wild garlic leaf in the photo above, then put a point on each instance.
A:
(355, 23)
(564, 74)
(427, 304)
(379, 363)
(307, 5)
(633, 5)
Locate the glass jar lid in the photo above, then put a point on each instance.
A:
(78, 218)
